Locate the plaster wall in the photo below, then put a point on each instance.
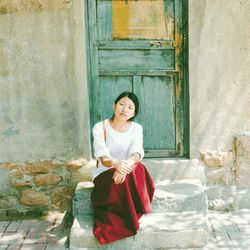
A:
(43, 80)
(219, 63)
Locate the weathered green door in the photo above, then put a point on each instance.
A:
(140, 46)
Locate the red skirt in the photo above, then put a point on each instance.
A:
(117, 208)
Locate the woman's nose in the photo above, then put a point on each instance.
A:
(124, 108)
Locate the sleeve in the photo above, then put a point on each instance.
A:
(137, 143)
(99, 144)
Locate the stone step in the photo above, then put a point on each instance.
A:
(162, 169)
(175, 169)
(81, 203)
(170, 196)
(157, 231)
(179, 196)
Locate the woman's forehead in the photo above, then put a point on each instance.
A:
(126, 100)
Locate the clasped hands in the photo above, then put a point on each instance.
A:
(122, 168)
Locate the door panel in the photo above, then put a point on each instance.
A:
(157, 98)
(121, 59)
(140, 46)
(135, 19)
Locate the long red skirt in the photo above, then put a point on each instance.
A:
(117, 208)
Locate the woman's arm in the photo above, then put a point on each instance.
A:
(106, 161)
(134, 158)
(119, 177)
(136, 151)
(121, 166)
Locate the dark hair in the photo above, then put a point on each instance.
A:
(133, 98)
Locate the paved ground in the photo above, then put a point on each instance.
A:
(48, 233)
(229, 231)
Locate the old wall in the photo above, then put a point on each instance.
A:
(44, 95)
(219, 63)
(44, 118)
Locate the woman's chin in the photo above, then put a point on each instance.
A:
(123, 118)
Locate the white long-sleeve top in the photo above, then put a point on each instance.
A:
(118, 145)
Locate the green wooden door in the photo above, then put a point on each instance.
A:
(140, 46)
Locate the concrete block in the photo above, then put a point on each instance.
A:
(242, 172)
(220, 192)
(176, 169)
(242, 198)
(242, 145)
(221, 197)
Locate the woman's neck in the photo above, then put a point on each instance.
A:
(119, 125)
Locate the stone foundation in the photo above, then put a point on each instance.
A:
(242, 149)
(228, 175)
(39, 186)
(220, 179)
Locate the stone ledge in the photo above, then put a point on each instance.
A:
(170, 196)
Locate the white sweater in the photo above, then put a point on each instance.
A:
(118, 145)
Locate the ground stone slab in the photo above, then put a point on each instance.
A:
(157, 231)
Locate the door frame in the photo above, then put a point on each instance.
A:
(181, 32)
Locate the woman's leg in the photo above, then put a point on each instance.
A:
(117, 208)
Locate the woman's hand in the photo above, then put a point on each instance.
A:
(122, 166)
(118, 177)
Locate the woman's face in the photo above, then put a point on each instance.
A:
(124, 109)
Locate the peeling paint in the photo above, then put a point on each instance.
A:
(148, 23)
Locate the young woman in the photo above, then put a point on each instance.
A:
(123, 189)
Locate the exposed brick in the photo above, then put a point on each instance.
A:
(40, 167)
(8, 165)
(216, 158)
(22, 183)
(47, 179)
(77, 164)
(33, 197)
(61, 196)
